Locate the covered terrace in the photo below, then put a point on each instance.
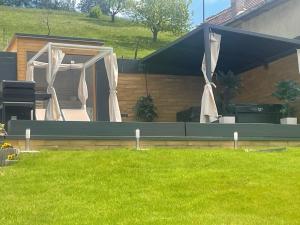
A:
(261, 61)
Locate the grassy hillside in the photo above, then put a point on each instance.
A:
(122, 35)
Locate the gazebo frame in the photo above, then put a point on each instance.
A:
(48, 48)
(103, 52)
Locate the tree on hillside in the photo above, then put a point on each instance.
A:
(115, 7)
(68, 5)
(17, 3)
(43, 4)
(46, 21)
(86, 5)
(162, 15)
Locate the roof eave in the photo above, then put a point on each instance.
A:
(222, 28)
(200, 27)
(254, 11)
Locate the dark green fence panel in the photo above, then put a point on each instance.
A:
(157, 131)
(94, 129)
(246, 131)
(8, 66)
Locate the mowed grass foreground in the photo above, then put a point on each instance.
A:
(152, 187)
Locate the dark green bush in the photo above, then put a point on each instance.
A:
(287, 91)
(145, 109)
(229, 85)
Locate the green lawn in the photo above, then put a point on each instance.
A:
(122, 35)
(152, 187)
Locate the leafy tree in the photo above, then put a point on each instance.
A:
(95, 12)
(17, 3)
(115, 7)
(68, 5)
(45, 4)
(86, 5)
(104, 6)
(162, 15)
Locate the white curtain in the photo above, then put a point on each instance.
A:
(53, 110)
(83, 93)
(209, 112)
(111, 66)
(298, 54)
(30, 72)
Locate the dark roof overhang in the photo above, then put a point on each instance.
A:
(240, 51)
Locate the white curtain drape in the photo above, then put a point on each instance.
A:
(83, 93)
(209, 112)
(53, 110)
(111, 66)
(298, 54)
(30, 72)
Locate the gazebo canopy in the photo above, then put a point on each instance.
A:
(240, 51)
(56, 53)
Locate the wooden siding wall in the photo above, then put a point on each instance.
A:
(176, 93)
(171, 94)
(258, 84)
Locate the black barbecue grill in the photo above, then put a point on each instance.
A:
(17, 100)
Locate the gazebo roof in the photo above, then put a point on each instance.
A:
(240, 51)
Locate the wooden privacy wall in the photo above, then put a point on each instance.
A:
(258, 84)
(176, 93)
(171, 93)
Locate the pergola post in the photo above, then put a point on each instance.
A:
(49, 58)
(207, 50)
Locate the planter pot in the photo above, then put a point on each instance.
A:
(289, 121)
(227, 119)
(10, 162)
(4, 154)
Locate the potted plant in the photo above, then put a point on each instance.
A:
(145, 109)
(8, 153)
(287, 91)
(228, 87)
